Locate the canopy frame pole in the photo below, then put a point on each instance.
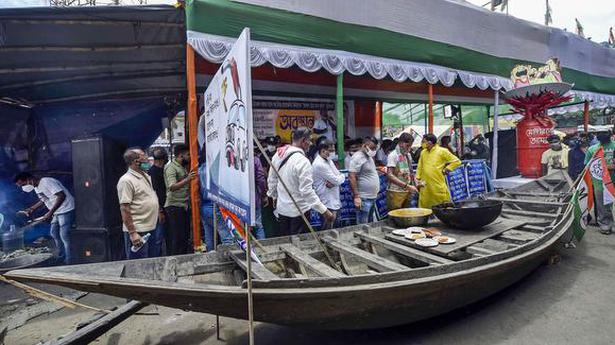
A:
(430, 96)
(379, 117)
(192, 140)
(339, 112)
(494, 149)
(586, 116)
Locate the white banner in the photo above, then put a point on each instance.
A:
(228, 133)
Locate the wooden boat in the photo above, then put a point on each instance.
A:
(378, 279)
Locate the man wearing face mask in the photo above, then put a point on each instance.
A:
(295, 171)
(364, 180)
(400, 174)
(270, 146)
(177, 179)
(327, 180)
(156, 172)
(555, 158)
(61, 208)
(138, 204)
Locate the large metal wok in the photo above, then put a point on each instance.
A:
(469, 214)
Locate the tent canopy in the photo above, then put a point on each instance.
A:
(54, 54)
(453, 35)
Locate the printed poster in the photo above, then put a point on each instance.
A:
(229, 149)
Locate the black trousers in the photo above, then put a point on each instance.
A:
(293, 225)
(178, 226)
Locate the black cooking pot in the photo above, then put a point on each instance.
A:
(470, 214)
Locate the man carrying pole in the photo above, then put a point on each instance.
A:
(295, 169)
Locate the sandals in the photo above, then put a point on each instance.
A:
(606, 232)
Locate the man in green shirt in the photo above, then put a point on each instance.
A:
(603, 212)
(177, 180)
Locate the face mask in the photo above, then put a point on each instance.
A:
(333, 157)
(371, 153)
(270, 148)
(556, 147)
(27, 188)
(145, 166)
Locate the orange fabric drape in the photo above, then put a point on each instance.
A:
(194, 151)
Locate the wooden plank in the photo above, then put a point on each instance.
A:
(536, 194)
(258, 271)
(530, 213)
(479, 251)
(371, 260)
(99, 327)
(309, 262)
(404, 250)
(518, 236)
(530, 202)
(536, 229)
(465, 238)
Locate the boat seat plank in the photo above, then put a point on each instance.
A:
(479, 251)
(309, 262)
(368, 258)
(536, 229)
(258, 271)
(530, 213)
(518, 236)
(529, 202)
(534, 194)
(465, 238)
(404, 250)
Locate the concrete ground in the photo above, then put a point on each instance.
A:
(567, 303)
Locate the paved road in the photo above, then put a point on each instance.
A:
(568, 303)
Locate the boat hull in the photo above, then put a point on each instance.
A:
(362, 306)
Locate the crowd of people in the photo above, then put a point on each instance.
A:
(292, 180)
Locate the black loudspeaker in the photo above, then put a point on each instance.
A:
(507, 152)
(97, 166)
(89, 245)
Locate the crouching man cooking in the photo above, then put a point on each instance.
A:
(61, 208)
(138, 205)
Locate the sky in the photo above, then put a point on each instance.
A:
(596, 16)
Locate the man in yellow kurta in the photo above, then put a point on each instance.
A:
(434, 163)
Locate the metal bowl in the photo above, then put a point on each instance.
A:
(406, 217)
(470, 214)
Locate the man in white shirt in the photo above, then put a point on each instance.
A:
(322, 125)
(327, 180)
(295, 171)
(60, 205)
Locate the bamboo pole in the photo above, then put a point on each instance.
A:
(430, 121)
(192, 139)
(586, 116)
(50, 297)
(307, 223)
(250, 301)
